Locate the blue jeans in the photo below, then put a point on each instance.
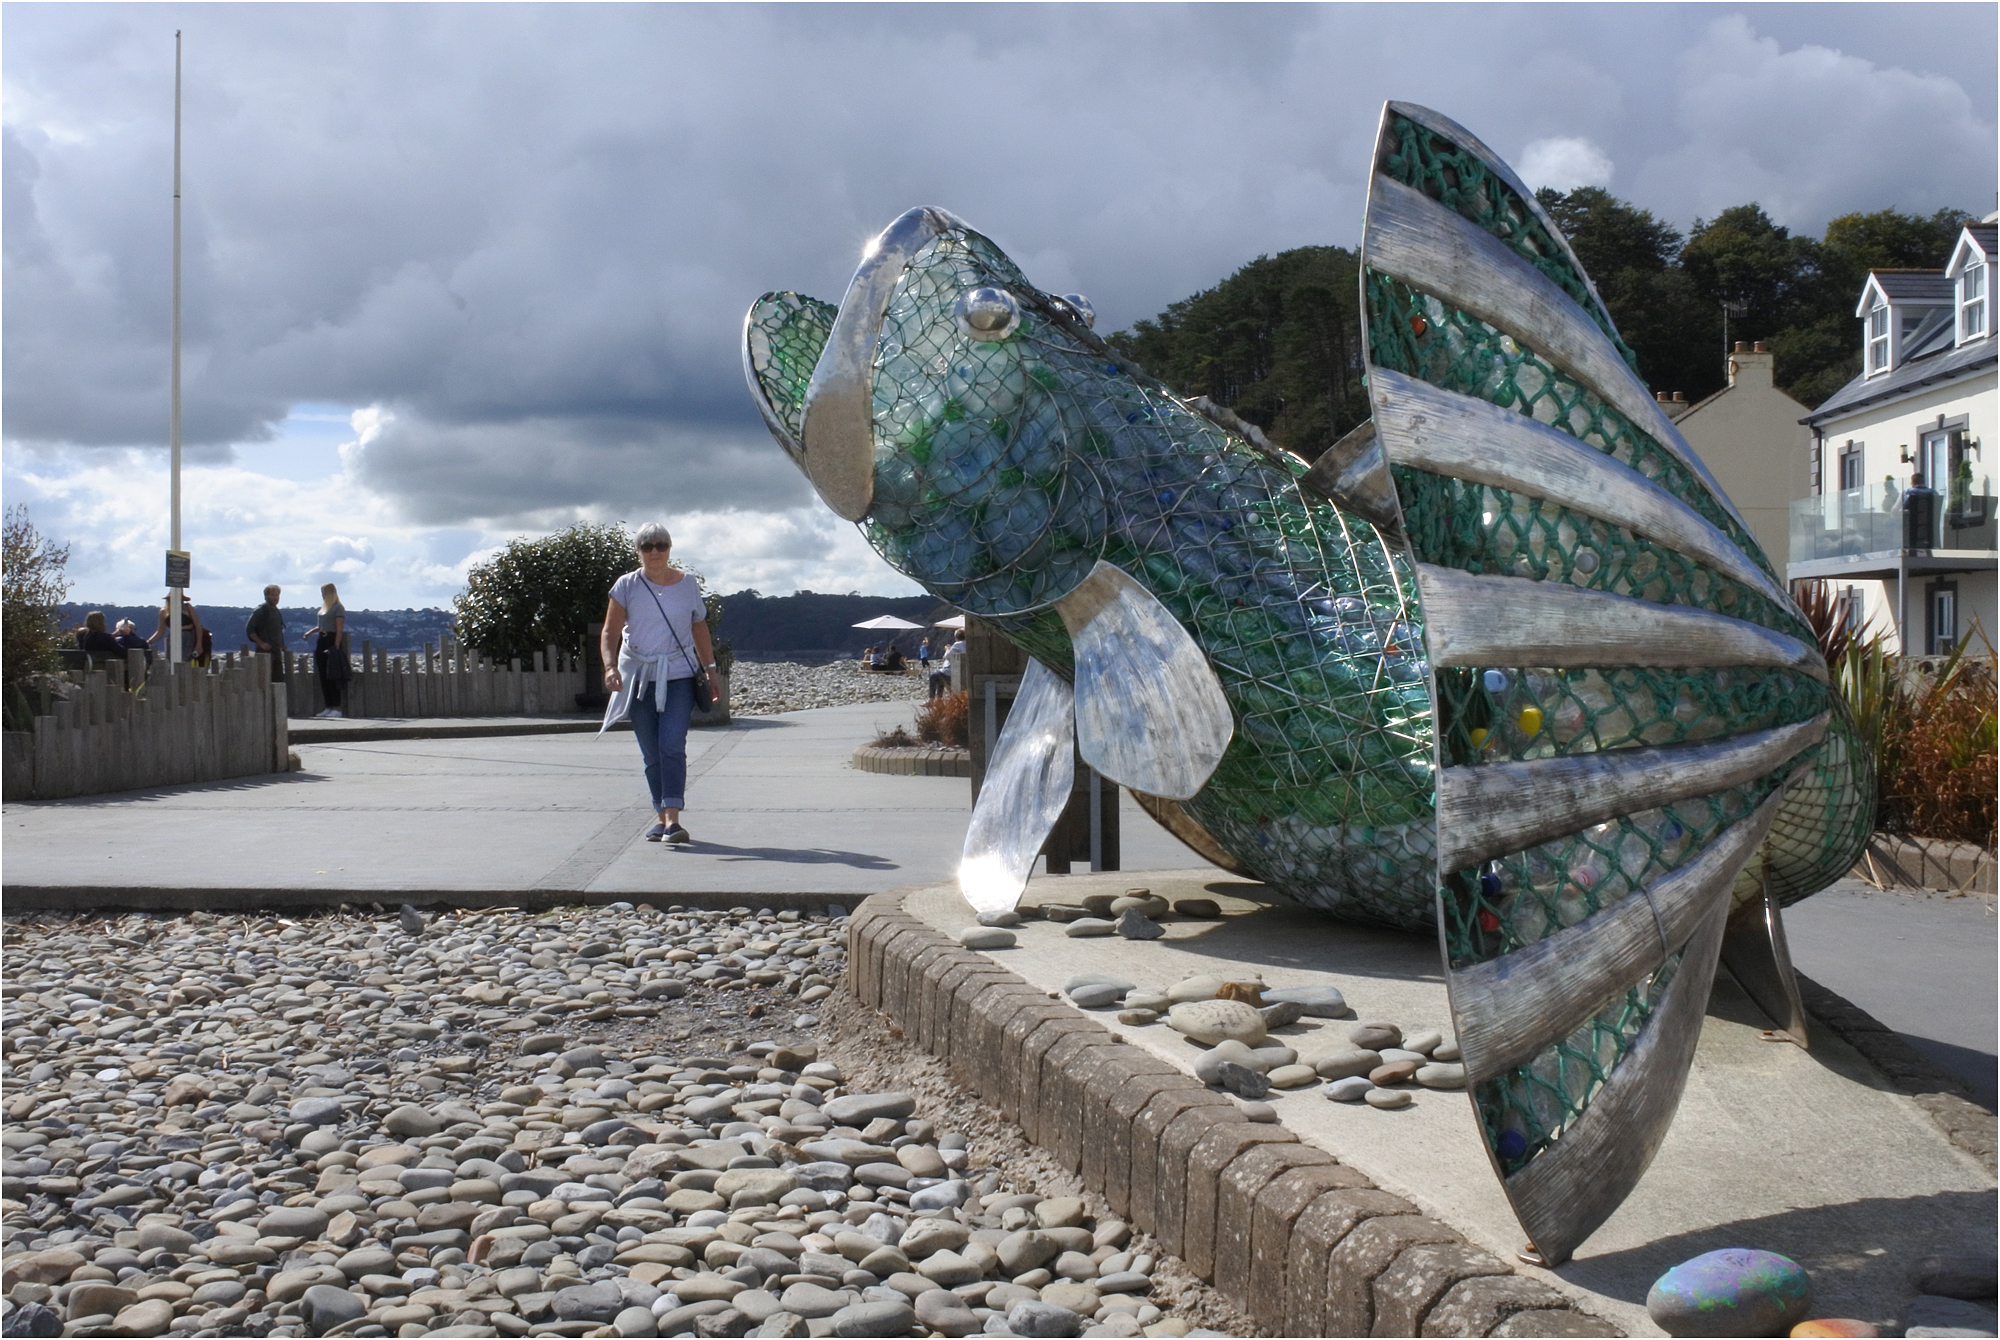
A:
(663, 741)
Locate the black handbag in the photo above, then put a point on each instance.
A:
(704, 698)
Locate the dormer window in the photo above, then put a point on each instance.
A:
(1972, 303)
(1878, 338)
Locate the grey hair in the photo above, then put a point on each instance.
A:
(652, 533)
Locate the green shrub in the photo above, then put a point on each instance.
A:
(35, 581)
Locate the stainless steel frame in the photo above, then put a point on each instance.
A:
(1030, 770)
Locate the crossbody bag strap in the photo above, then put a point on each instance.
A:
(644, 581)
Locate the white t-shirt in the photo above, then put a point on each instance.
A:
(646, 629)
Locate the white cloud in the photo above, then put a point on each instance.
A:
(1813, 132)
(1563, 164)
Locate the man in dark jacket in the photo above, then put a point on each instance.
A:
(266, 630)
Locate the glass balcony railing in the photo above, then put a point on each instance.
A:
(1880, 519)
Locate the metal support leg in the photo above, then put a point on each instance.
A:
(1096, 822)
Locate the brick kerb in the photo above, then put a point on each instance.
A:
(1279, 1226)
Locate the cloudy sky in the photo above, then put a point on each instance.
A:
(459, 273)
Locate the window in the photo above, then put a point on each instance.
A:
(1943, 618)
(1972, 302)
(1854, 608)
(1934, 459)
(1878, 339)
(1850, 466)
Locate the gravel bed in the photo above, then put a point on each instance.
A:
(588, 1122)
(766, 688)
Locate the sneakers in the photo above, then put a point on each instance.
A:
(335, 714)
(656, 832)
(677, 835)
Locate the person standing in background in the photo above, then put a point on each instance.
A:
(266, 631)
(195, 643)
(330, 651)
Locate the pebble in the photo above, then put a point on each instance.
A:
(986, 937)
(1318, 1002)
(1096, 995)
(1933, 1314)
(1134, 924)
(1387, 1098)
(498, 1123)
(1732, 1291)
(1084, 927)
(1343, 1062)
(1213, 1021)
(1202, 909)
(1195, 988)
(1392, 1072)
(768, 688)
(1824, 1327)
(1441, 1075)
(1291, 1076)
(1961, 1275)
(1147, 998)
(1241, 1080)
(1373, 1035)
(1257, 1111)
(1350, 1090)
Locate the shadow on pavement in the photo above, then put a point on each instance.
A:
(1843, 1246)
(256, 782)
(796, 855)
(1976, 1068)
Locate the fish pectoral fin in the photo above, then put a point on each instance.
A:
(1353, 474)
(1150, 713)
(1755, 952)
(1030, 770)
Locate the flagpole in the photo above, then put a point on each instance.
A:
(174, 614)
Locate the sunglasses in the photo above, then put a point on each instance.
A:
(649, 548)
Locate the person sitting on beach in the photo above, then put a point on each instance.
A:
(872, 658)
(893, 662)
(126, 635)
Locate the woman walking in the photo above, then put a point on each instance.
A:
(655, 645)
(330, 651)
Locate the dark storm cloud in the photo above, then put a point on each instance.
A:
(530, 232)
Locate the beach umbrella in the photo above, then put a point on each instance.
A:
(888, 621)
(955, 621)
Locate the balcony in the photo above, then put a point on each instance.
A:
(1841, 532)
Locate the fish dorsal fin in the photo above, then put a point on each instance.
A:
(1030, 771)
(1150, 713)
(1623, 693)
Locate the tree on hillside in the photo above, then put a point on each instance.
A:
(535, 593)
(1278, 342)
(34, 579)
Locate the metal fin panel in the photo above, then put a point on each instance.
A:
(1494, 619)
(1413, 238)
(1575, 1185)
(1029, 773)
(772, 419)
(1492, 809)
(1150, 713)
(1508, 1009)
(1433, 429)
(1757, 956)
(1440, 124)
(1353, 474)
(839, 427)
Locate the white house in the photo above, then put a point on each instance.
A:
(1901, 515)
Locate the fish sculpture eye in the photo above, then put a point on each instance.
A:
(1079, 306)
(988, 314)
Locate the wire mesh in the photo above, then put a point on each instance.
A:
(1511, 713)
(1004, 470)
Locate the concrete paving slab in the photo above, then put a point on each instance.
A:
(1922, 963)
(1807, 1154)
(776, 808)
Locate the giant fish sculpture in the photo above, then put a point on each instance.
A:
(1504, 662)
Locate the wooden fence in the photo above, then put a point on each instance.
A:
(444, 680)
(196, 726)
(448, 680)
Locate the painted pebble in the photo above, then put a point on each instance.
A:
(1213, 1021)
(1834, 1326)
(1731, 1292)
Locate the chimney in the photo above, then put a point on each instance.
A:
(1680, 398)
(1759, 348)
(1742, 348)
(1662, 397)
(1750, 365)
